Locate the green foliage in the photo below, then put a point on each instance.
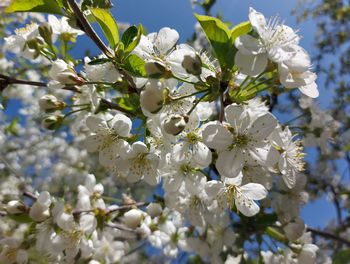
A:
(135, 66)
(21, 218)
(130, 102)
(108, 25)
(104, 4)
(42, 6)
(239, 30)
(222, 38)
(98, 61)
(131, 38)
(12, 128)
(342, 257)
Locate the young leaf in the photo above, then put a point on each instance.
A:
(135, 65)
(219, 36)
(131, 38)
(41, 6)
(108, 25)
(98, 61)
(239, 30)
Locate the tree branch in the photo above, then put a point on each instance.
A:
(87, 28)
(30, 195)
(328, 235)
(9, 80)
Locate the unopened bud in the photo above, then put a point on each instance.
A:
(50, 103)
(52, 122)
(192, 64)
(15, 207)
(175, 124)
(154, 209)
(132, 218)
(152, 98)
(294, 230)
(64, 73)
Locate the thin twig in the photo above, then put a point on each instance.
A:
(337, 206)
(108, 104)
(30, 195)
(87, 28)
(127, 206)
(122, 227)
(115, 106)
(328, 235)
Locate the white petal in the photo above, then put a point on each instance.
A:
(229, 163)
(166, 40)
(257, 20)
(121, 124)
(212, 188)
(247, 207)
(202, 155)
(88, 223)
(237, 117)
(263, 127)
(254, 191)
(310, 90)
(251, 65)
(247, 45)
(289, 179)
(93, 142)
(216, 136)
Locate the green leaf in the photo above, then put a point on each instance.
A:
(129, 102)
(99, 61)
(108, 25)
(219, 36)
(105, 4)
(12, 128)
(21, 218)
(41, 6)
(239, 30)
(135, 65)
(342, 257)
(131, 38)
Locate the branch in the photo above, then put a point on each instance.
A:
(127, 206)
(122, 207)
(30, 195)
(337, 206)
(328, 235)
(115, 106)
(9, 80)
(87, 28)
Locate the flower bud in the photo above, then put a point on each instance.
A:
(38, 213)
(294, 230)
(192, 64)
(154, 209)
(52, 122)
(175, 124)
(50, 103)
(152, 98)
(308, 254)
(40, 209)
(15, 207)
(64, 73)
(132, 218)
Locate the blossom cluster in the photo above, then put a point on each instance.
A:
(221, 158)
